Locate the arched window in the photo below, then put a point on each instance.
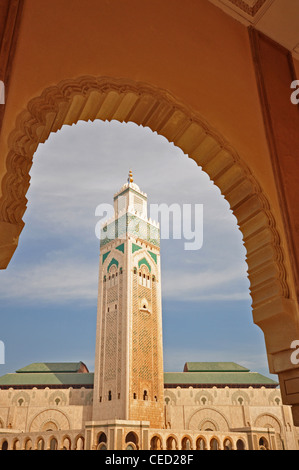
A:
(102, 438)
(145, 395)
(109, 395)
(263, 444)
(53, 444)
(144, 305)
(80, 443)
(144, 277)
(214, 444)
(4, 445)
(186, 444)
(17, 445)
(156, 443)
(66, 444)
(227, 445)
(171, 443)
(201, 444)
(41, 444)
(132, 441)
(240, 445)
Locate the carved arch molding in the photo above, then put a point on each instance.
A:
(49, 416)
(89, 98)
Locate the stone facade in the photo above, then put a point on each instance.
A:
(198, 419)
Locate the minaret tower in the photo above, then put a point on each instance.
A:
(128, 383)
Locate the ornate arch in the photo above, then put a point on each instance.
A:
(203, 394)
(57, 395)
(89, 98)
(197, 420)
(22, 395)
(240, 394)
(171, 395)
(274, 396)
(53, 416)
(268, 420)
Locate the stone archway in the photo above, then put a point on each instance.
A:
(208, 419)
(49, 420)
(89, 98)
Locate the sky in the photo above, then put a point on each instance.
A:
(49, 290)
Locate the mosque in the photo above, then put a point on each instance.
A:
(129, 402)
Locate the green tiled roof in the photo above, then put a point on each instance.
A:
(45, 374)
(196, 374)
(49, 379)
(55, 367)
(216, 378)
(214, 367)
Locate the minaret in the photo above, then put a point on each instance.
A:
(129, 381)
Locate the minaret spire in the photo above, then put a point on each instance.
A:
(130, 178)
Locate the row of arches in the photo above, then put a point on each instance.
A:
(111, 279)
(51, 442)
(172, 442)
(131, 441)
(200, 443)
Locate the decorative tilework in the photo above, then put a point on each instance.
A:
(112, 262)
(144, 261)
(105, 256)
(153, 255)
(121, 248)
(135, 247)
(133, 225)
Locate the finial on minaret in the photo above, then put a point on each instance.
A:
(130, 179)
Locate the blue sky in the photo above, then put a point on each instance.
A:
(49, 291)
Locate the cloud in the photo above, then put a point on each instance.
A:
(82, 166)
(206, 285)
(57, 280)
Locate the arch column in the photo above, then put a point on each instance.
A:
(281, 120)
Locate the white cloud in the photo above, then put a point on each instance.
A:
(57, 280)
(205, 285)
